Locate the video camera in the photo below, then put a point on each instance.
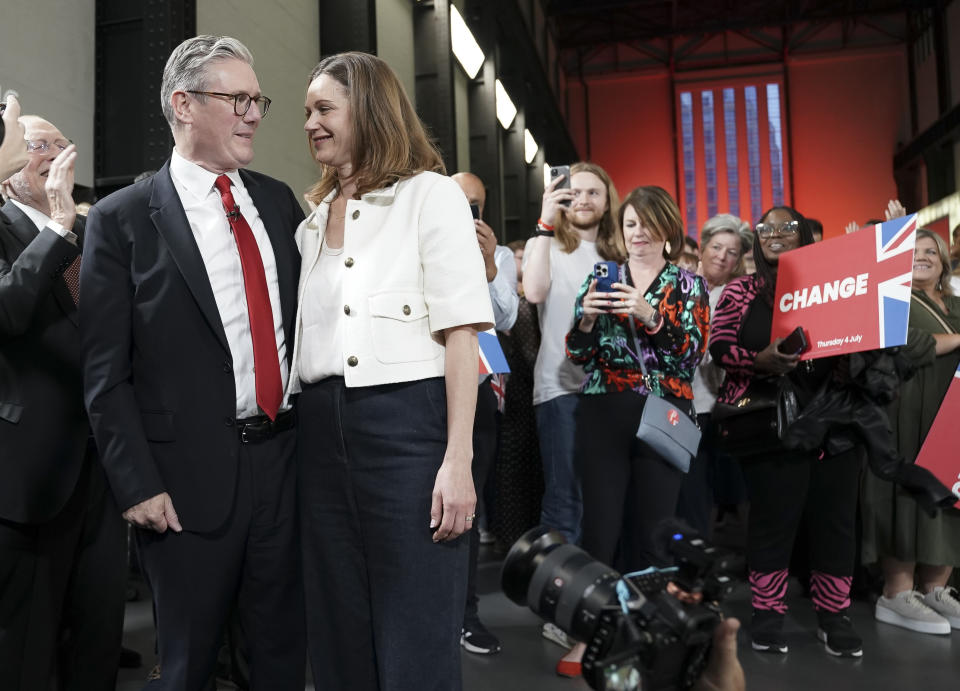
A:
(655, 626)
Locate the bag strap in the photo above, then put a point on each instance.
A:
(947, 328)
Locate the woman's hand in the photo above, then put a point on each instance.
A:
(594, 304)
(553, 207)
(627, 299)
(454, 499)
(894, 210)
(771, 361)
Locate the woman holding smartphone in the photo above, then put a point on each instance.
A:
(785, 485)
(660, 313)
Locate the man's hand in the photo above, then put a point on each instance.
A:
(60, 188)
(723, 672)
(155, 513)
(488, 246)
(454, 499)
(894, 210)
(13, 149)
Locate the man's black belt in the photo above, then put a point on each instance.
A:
(253, 430)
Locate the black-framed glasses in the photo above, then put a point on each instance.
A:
(42, 146)
(766, 230)
(241, 102)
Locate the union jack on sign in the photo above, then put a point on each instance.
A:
(894, 238)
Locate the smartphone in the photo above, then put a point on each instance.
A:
(557, 171)
(796, 343)
(607, 273)
(475, 210)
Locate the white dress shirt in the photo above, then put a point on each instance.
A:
(503, 289)
(208, 221)
(323, 318)
(41, 221)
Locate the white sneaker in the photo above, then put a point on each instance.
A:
(946, 603)
(908, 610)
(555, 634)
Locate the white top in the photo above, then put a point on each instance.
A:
(708, 376)
(553, 374)
(323, 317)
(208, 221)
(412, 269)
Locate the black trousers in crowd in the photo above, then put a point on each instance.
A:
(788, 487)
(252, 562)
(627, 488)
(62, 592)
(384, 602)
(484, 454)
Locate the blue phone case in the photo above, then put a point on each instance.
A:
(607, 274)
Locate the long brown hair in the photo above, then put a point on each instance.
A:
(659, 213)
(389, 141)
(609, 240)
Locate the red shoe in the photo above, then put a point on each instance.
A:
(569, 668)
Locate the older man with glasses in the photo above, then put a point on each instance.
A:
(62, 549)
(189, 284)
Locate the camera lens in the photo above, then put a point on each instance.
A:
(558, 581)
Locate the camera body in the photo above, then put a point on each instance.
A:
(635, 627)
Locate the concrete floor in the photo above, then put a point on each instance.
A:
(892, 659)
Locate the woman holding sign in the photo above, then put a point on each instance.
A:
(917, 552)
(784, 484)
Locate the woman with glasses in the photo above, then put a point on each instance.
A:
(392, 293)
(784, 485)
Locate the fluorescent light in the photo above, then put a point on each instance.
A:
(530, 146)
(546, 175)
(464, 45)
(506, 111)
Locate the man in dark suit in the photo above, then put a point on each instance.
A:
(62, 563)
(189, 282)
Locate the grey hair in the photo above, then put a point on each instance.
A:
(727, 223)
(186, 68)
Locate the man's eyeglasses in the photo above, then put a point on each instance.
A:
(766, 230)
(41, 146)
(241, 102)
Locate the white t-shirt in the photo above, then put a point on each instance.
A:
(554, 375)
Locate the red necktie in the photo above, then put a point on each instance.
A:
(266, 365)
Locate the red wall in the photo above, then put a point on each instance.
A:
(847, 113)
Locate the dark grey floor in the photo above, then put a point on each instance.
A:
(893, 658)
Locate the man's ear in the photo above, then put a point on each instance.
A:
(182, 106)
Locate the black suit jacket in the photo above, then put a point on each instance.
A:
(158, 373)
(43, 427)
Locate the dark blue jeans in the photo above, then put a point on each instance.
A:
(384, 603)
(562, 504)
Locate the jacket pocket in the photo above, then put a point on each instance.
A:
(158, 425)
(400, 329)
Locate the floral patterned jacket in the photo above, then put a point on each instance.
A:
(671, 353)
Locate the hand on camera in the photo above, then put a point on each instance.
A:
(771, 361)
(627, 299)
(595, 303)
(723, 672)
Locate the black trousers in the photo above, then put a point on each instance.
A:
(786, 487)
(384, 602)
(484, 454)
(253, 561)
(627, 488)
(62, 592)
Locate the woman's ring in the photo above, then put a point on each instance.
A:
(470, 517)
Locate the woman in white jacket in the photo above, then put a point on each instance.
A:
(392, 293)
